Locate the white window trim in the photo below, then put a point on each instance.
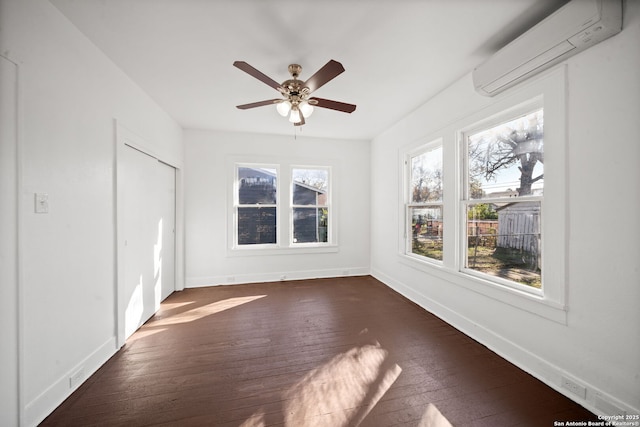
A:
(283, 193)
(550, 89)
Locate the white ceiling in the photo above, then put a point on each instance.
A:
(397, 53)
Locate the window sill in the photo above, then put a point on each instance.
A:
(280, 250)
(531, 301)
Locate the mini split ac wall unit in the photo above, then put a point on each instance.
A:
(574, 27)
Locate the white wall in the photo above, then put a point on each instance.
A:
(208, 158)
(598, 345)
(69, 97)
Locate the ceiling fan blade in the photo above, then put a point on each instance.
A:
(258, 104)
(330, 70)
(333, 105)
(257, 74)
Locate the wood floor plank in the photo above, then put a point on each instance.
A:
(325, 352)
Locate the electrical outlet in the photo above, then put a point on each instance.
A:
(76, 378)
(574, 388)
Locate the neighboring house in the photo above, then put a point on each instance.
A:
(310, 222)
(256, 224)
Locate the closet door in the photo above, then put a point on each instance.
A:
(149, 236)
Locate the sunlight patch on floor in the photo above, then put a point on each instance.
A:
(171, 305)
(433, 418)
(143, 333)
(349, 380)
(341, 392)
(200, 312)
(256, 420)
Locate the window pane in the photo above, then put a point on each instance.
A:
(426, 226)
(256, 185)
(256, 225)
(426, 176)
(503, 240)
(310, 225)
(310, 186)
(507, 160)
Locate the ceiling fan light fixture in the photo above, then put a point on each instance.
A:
(283, 108)
(306, 109)
(295, 115)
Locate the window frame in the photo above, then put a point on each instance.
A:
(465, 199)
(327, 205)
(409, 205)
(237, 205)
(283, 215)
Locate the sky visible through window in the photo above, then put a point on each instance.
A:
(496, 154)
(317, 178)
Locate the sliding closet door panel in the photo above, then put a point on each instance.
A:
(149, 243)
(167, 244)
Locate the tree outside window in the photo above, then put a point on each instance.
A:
(504, 189)
(424, 209)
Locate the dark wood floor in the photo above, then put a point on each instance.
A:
(327, 352)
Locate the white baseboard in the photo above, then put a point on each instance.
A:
(595, 400)
(233, 279)
(40, 407)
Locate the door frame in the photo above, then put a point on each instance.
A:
(12, 303)
(123, 138)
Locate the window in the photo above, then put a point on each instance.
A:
(259, 221)
(424, 202)
(502, 200)
(310, 205)
(505, 209)
(255, 205)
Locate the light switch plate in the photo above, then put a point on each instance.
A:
(42, 203)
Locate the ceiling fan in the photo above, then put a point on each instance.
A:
(295, 101)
